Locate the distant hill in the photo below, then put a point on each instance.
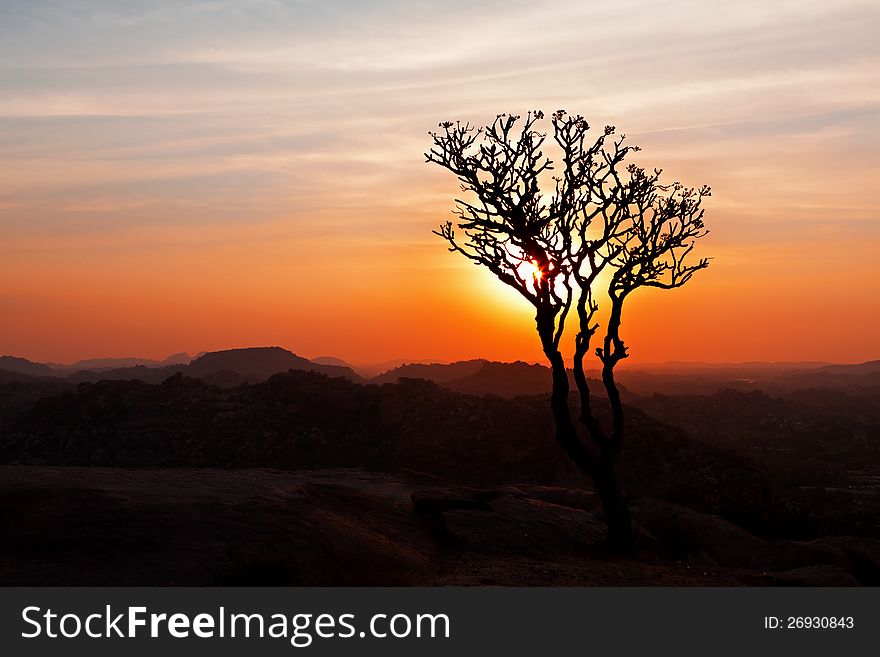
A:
(330, 360)
(479, 376)
(9, 376)
(772, 378)
(111, 363)
(261, 363)
(181, 358)
(221, 368)
(436, 372)
(869, 367)
(751, 366)
(137, 372)
(24, 366)
(117, 363)
(484, 377)
(370, 370)
(505, 380)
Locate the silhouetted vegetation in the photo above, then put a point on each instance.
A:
(603, 214)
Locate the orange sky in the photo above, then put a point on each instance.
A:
(195, 176)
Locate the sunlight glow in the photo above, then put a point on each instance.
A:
(530, 270)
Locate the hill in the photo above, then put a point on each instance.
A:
(504, 379)
(223, 368)
(118, 363)
(24, 366)
(436, 372)
(10, 376)
(260, 363)
(482, 377)
(331, 360)
(869, 367)
(476, 376)
(137, 372)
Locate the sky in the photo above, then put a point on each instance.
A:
(190, 176)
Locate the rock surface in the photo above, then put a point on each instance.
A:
(686, 532)
(202, 527)
(434, 501)
(523, 526)
(863, 552)
(818, 575)
(780, 556)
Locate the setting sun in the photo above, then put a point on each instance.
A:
(530, 270)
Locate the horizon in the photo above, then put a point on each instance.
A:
(198, 175)
(396, 362)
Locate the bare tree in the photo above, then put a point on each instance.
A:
(601, 215)
(643, 232)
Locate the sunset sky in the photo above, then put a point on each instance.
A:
(189, 176)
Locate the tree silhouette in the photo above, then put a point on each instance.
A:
(602, 215)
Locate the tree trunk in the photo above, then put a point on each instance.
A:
(620, 537)
(599, 468)
(604, 477)
(619, 522)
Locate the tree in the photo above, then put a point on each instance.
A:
(603, 215)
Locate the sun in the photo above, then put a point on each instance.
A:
(530, 270)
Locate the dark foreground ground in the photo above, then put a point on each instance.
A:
(118, 526)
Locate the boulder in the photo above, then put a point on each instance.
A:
(573, 526)
(434, 501)
(523, 526)
(818, 575)
(863, 552)
(685, 532)
(576, 498)
(779, 556)
(484, 531)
